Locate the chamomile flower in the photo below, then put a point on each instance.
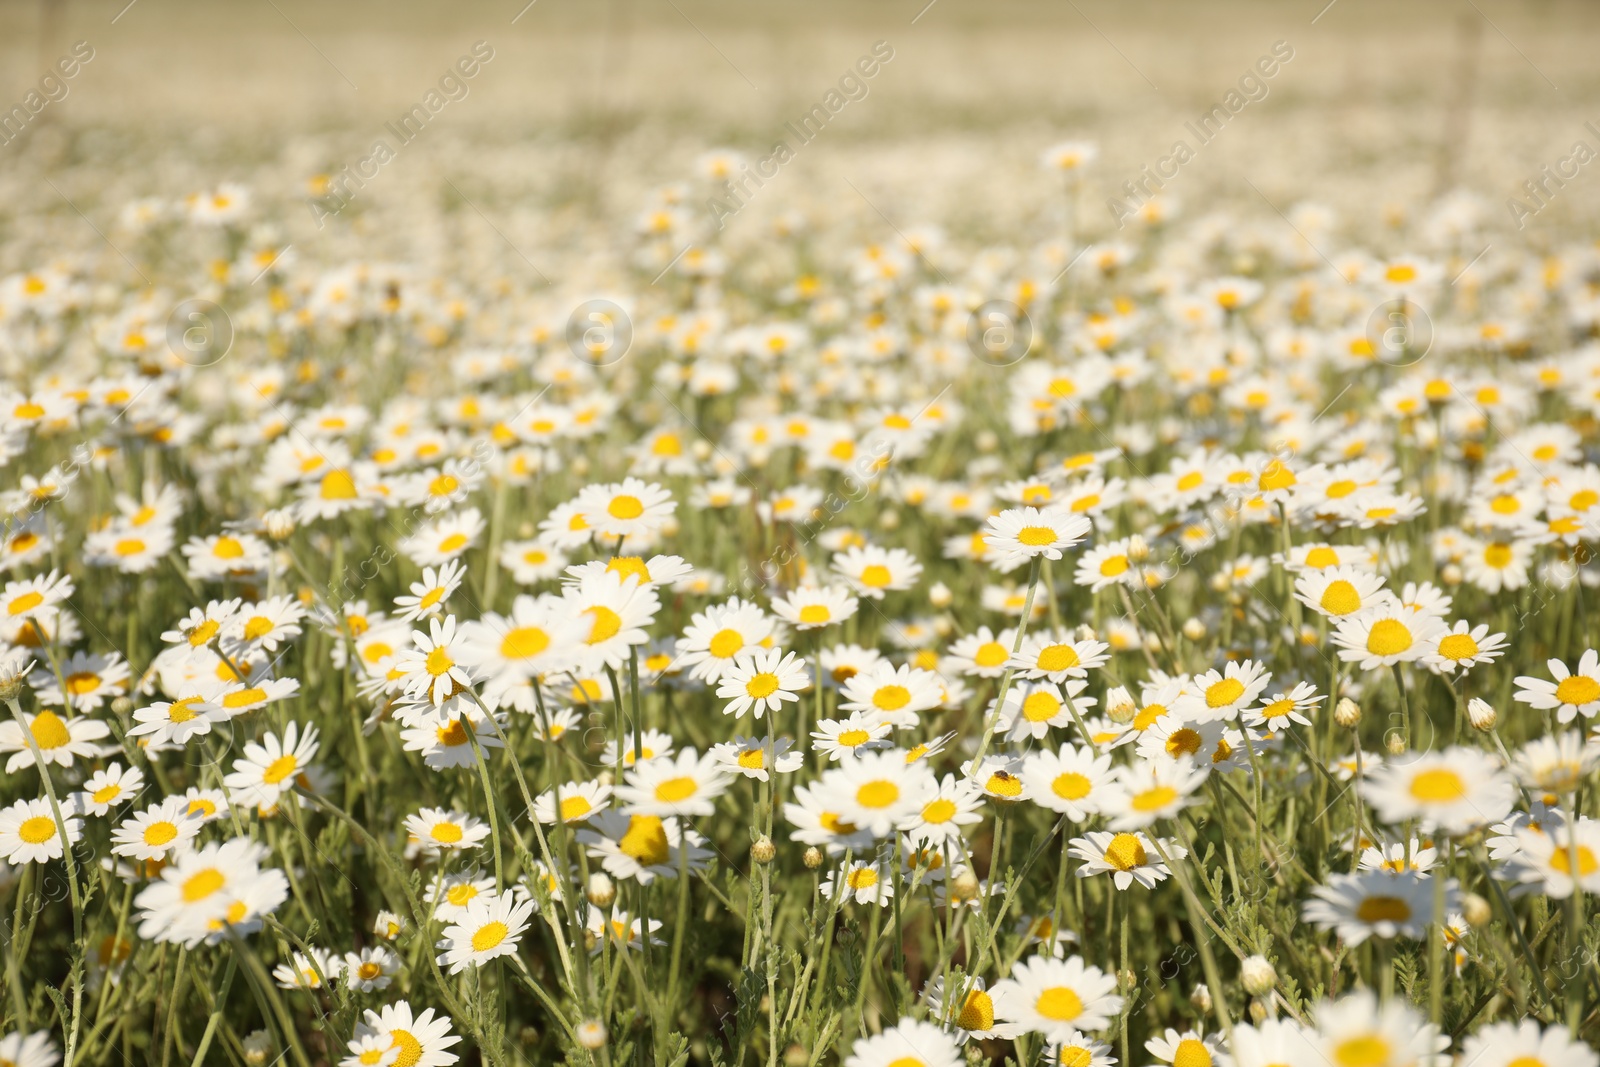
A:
(1069, 781)
(1462, 647)
(1385, 635)
(871, 571)
(684, 784)
(164, 828)
(1454, 791)
(431, 595)
(1223, 694)
(762, 682)
(437, 830)
(1339, 592)
(1573, 693)
(895, 695)
(270, 769)
(492, 927)
(61, 741)
(1139, 795)
(1526, 1045)
(107, 788)
(1280, 709)
(811, 607)
(849, 737)
(1057, 997)
(1382, 904)
(29, 832)
(1127, 857)
(1018, 535)
(758, 758)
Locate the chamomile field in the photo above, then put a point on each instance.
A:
(876, 535)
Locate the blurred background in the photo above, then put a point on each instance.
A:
(588, 104)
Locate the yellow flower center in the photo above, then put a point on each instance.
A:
(1388, 637)
(726, 644)
(1222, 694)
(1059, 1003)
(1458, 647)
(1578, 690)
(607, 624)
(1438, 786)
(675, 789)
(49, 730)
(625, 507)
(37, 830)
(1070, 785)
(1340, 598)
(878, 794)
(645, 840)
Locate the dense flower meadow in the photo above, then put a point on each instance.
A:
(859, 646)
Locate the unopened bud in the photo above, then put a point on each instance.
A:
(1127, 978)
(987, 441)
(1450, 574)
(1201, 998)
(1138, 549)
(1347, 713)
(1260, 1010)
(278, 523)
(762, 851)
(1194, 629)
(965, 885)
(592, 1034)
(1220, 582)
(1258, 976)
(889, 520)
(1475, 909)
(940, 596)
(1152, 642)
(1482, 714)
(702, 450)
(1120, 706)
(600, 891)
(813, 858)
(1086, 632)
(257, 1048)
(11, 686)
(1395, 743)
(796, 1056)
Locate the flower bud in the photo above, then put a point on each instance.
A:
(964, 886)
(1347, 713)
(813, 858)
(796, 1056)
(1260, 1010)
(1200, 997)
(1482, 714)
(1475, 909)
(1220, 582)
(1120, 707)
(987, 441)
(889, 520)
(278, 523)
(1086, 633)
(1138, 549)
(592, 1034)
(1395, 743)
(257, 1048)
(762, 851)
(1258, 976)
(1450, 574)
(600, 891)
(940, 596)
(1194, 629)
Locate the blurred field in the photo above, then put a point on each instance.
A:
(585, 104)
